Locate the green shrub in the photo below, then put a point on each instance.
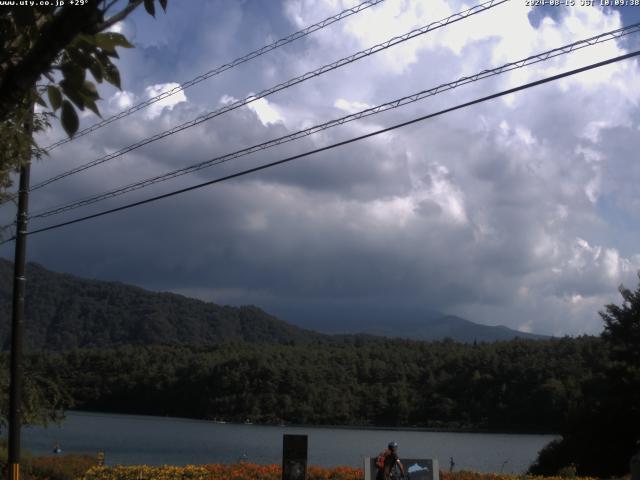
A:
(58, 467)
(568, 471)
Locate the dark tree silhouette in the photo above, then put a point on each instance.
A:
(601, 437)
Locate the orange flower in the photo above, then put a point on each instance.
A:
(252, 471)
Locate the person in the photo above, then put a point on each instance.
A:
(387, 460)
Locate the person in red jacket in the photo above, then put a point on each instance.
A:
(387, 460)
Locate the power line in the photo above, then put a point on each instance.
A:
(289, 83)
(342, 120)
(216, 71)
(338, 144)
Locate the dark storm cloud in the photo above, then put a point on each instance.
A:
(495, 213)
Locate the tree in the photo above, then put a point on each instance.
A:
(44, 398)
(622, 329)
(600, 438)
(46, 52)
(622, 334)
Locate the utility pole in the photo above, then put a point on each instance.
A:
(17, 314)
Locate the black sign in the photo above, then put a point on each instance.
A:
(294, 457)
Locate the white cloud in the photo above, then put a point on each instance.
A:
(122, 100)
(267, 112)
(351, 106)
(116, 28)
(437, 186)
(154, 110)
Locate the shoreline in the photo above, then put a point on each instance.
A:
(327, 426)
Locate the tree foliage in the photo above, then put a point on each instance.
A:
(601, 435)
(520, 385)
(622, 329)
(46, 53)
(44, 398)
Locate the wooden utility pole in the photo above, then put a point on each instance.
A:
(17, 315)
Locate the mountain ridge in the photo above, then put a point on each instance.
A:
(65, 311)
(433, 328)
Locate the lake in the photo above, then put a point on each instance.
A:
(136, 440)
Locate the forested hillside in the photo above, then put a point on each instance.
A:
(65, 312)
(517, 385)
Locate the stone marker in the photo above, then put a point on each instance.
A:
(294, 457)
(415, 468)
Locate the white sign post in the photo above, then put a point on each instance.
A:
(415, 468)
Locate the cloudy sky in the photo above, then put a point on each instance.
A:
(522, 211)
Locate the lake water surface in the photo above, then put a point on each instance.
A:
(135, 440)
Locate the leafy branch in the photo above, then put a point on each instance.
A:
(57, 45)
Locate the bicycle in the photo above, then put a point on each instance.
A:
(396, 474)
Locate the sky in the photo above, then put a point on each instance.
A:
(522, 211)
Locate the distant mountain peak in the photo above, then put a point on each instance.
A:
(64, 311)
(417, 324)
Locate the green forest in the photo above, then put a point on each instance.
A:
(518, 385)
(114, 348)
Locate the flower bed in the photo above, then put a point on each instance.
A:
(250, 471)
(464, 475)
(238, 471)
